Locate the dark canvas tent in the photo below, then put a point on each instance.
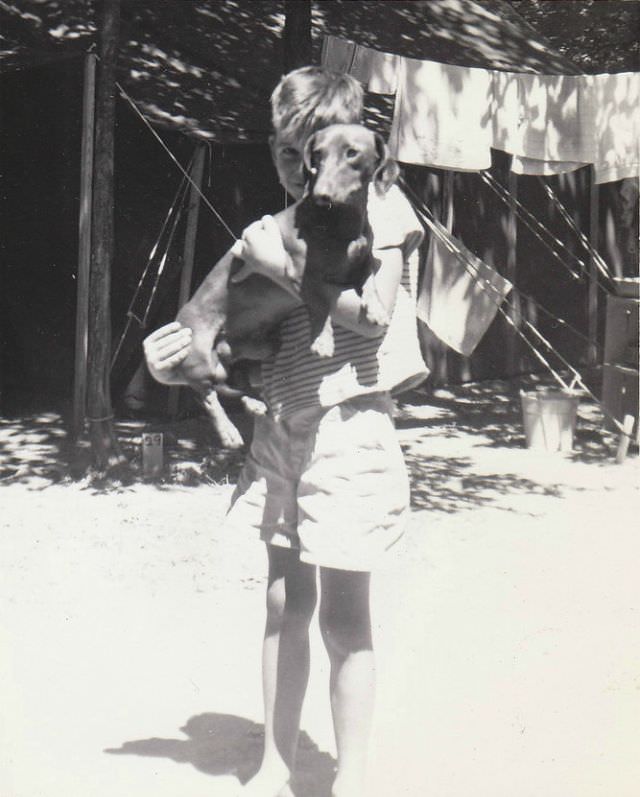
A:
(203, 71)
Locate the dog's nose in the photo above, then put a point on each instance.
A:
(322, 200)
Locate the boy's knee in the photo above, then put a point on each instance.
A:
(344, 632)
(296, 602)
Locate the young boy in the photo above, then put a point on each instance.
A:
(324, 485)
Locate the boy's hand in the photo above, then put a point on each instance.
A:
(165, 348)
(262, 251)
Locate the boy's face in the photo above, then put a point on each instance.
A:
(287, 158)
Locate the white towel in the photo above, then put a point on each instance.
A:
(615, 110)
(377, 71)
(460, 294)
(520, 165)
(442, 116)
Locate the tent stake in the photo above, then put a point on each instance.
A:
(84, 245)
(189, 250)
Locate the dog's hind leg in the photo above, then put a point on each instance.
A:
(229, 436)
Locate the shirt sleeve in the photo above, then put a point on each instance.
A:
(394, 222)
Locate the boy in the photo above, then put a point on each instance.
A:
(324, 484)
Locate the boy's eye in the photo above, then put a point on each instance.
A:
(289, 152)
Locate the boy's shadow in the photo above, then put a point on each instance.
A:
(223, 744)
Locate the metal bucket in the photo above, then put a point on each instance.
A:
(549, 417)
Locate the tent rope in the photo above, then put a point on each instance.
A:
(536, 226)
(126, 97)
(425, 214)
(597, 257)
(530, 299)
(172, 214)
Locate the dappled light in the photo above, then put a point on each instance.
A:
(482, 423)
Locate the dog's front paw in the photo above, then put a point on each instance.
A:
(375, 312)
(229, 436)
(323, 345)
(254, 406)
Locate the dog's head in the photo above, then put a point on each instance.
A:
(340, 163)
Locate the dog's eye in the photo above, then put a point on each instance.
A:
(352, 153)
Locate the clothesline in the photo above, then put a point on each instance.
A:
(449, 116)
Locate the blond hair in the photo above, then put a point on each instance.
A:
(311, 98)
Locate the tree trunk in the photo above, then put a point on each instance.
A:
(106, 452)
(297, 34)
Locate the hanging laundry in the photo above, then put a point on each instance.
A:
(504, 110)
(543, 118)
(377, 71)
(615, 111)
(442, 116)
(460, 294)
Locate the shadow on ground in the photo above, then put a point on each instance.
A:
(35, 449)
(224, 744)
(485, 415)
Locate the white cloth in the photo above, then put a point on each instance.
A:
(520, 165)
(442, 116)
(377, 71)
(460, 294)
(615, 111)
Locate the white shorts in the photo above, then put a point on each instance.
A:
(330, 482)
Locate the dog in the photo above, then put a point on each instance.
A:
(328, 238)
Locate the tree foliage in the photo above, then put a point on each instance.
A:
(597, 35)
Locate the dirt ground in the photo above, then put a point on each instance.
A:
(506, 625)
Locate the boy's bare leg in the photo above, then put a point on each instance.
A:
(345, 622)
(291, 600)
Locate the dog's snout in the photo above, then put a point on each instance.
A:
(322, 199)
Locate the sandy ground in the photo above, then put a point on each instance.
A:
(507, 626)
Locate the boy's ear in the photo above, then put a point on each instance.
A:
(387, 170)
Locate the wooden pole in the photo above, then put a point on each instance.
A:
(511, 265)
(104, 445)
(189, 250)
(297, 34)
(592, 296)
(84, 245)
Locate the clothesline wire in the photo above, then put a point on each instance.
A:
(172, 216)
(425, 214)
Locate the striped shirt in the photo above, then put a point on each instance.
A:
(296, 378)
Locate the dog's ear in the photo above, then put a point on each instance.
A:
(309, 170)
(387, 170)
